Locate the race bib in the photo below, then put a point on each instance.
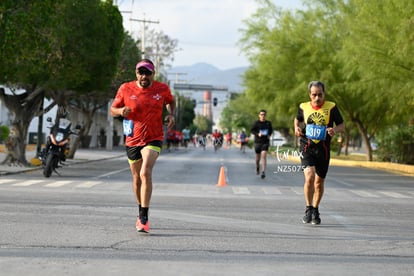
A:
(264, 132)
(128, 126)
(316, 132)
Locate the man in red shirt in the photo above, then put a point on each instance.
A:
(217, 139)
(141, 104)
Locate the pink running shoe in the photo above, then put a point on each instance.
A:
(143, 228)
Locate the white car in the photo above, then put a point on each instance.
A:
(277, 139)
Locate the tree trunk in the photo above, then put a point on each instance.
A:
(84, 131)
(365, 139)
(24, 107)
(346, 138)
(16, 146)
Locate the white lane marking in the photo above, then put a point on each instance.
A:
(28, 183)
(363, 193)
(88, 184)
(272, 191)
(111, 173)
(296, 191)
(344, 183)
(394, 194)
(58, 184)
(6, 181)
(240, 190)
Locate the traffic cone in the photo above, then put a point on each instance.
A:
(222, 178)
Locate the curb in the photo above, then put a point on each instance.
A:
(21, 169)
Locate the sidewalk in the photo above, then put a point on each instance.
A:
(81, 156)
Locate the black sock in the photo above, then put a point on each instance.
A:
(144, 214)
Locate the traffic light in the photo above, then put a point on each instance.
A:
(215, 101)
(194, 102)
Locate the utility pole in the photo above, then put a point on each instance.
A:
(144, 22)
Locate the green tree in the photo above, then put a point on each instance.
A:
(236, 115)
(346, 44)
(284, 46)
(185, 111)
(58, 49)
(397, 145)
(377, 54)
(25, 51)
(102, 41)
(88, 105)
(203, 124)
(129, 56)
(289, 50)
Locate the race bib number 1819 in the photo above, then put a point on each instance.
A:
(315, 132)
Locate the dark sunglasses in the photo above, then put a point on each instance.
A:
(143, 72)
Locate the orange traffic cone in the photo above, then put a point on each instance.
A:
(222, 178)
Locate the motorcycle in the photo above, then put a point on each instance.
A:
(54, 153)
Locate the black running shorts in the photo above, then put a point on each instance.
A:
(259, 147)
(134, 153)
(318, 156)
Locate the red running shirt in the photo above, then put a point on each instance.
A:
(146, 110)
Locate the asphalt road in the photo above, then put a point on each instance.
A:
(83, 222)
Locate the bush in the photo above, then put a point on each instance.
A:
(397, 145)
(4, 133)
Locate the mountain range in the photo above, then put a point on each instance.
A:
(204, 73)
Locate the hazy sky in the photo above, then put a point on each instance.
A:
(206, 30)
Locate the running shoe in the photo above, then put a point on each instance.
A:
(263, 175)
(143, 228)
(315, 216)
(257, 170)
(308, 215)
(137, 223)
